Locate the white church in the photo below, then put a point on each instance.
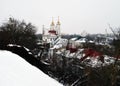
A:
(52, 34)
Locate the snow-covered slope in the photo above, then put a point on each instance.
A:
(15, 71)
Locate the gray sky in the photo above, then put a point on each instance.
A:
(76, 16)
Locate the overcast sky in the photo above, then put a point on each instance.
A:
(76, 16)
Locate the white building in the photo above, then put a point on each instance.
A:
(51, 34)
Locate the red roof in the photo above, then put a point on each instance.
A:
(52, 32)
(92, 53)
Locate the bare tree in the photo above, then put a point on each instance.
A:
(18, 32)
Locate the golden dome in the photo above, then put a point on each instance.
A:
(58, 22)
(52, 23)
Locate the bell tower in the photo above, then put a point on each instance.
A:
(58, 27)
(52, 26)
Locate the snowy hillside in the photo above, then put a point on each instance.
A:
(15, 71)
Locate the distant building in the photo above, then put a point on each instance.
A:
(52, 33)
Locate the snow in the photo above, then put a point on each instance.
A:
(58, 52)
(11, 45)
(60, 42)
(82, 40)
(15, 71)
(109, 60)
(91, 41)
(94, 62)
(57, 46)
(73, 39)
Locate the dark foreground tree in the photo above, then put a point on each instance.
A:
(18, 32)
